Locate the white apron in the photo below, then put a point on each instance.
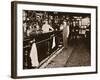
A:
(34, 56)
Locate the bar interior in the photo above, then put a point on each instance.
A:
(44, 43)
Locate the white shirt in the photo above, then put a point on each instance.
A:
(46, 28)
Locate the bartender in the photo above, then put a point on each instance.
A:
(46, 27)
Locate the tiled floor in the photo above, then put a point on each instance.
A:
(77, 55)
(80, 56)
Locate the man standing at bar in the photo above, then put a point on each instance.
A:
(46, 29)
(65, 34)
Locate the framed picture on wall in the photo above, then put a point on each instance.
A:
(49, 39)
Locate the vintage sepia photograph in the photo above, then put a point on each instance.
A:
(56, 39)
(53, 39)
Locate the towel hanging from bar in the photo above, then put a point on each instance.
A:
(34, 56)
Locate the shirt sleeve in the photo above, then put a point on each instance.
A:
(51, 27)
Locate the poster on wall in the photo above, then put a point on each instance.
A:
(50, 39)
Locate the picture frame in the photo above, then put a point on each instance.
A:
(24, 12)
